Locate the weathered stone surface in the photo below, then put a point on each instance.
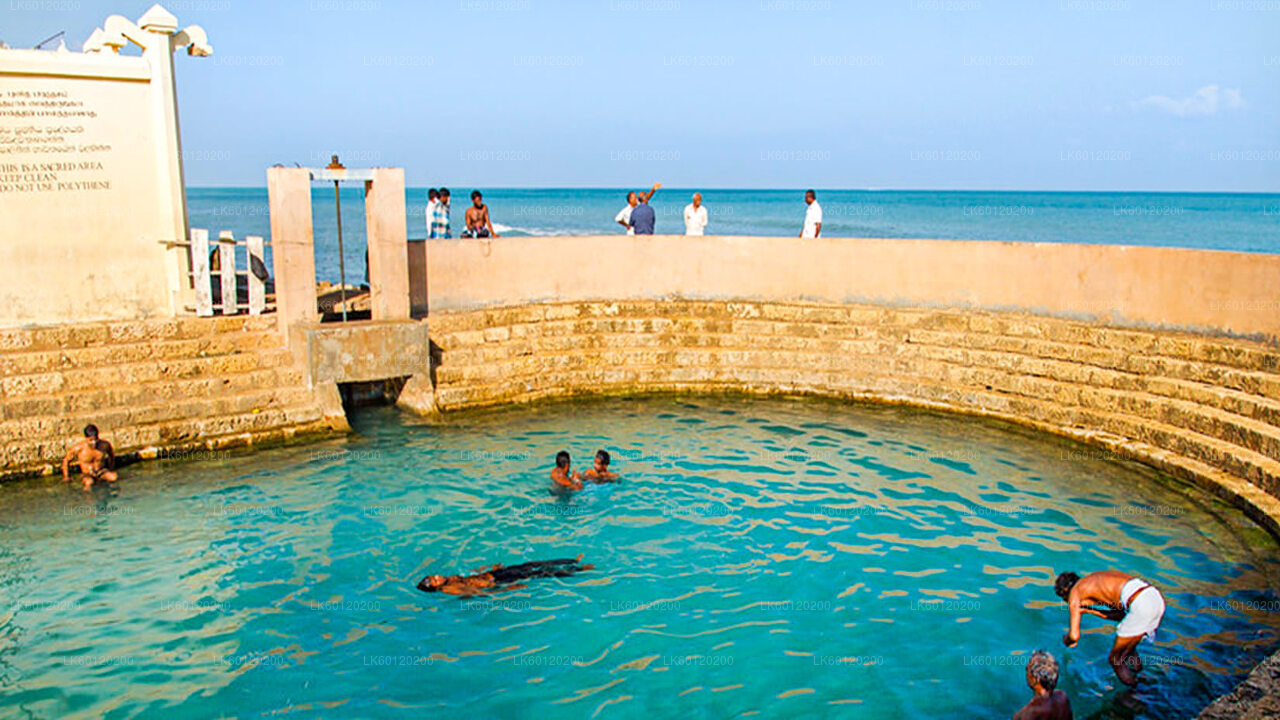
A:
(151, 386)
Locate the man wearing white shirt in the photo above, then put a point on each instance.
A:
(433, 197)
(623, 217)
(695, 216)
(812, 216)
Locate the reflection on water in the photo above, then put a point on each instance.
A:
(780, 557)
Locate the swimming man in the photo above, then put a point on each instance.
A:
(1111, 594)
(1042, 678)
(599, 472)
(497, 578)
(562, 479)
(95, 457)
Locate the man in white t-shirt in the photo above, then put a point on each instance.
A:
(812, 216)
(623, 217)
(433, 197)
(695, 216)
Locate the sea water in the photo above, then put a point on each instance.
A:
(1215, 221)
(787, 558)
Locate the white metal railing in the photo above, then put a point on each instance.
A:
(202, 275)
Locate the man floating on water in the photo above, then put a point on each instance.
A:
(1135, 603)
(95, 457)
(497, 578)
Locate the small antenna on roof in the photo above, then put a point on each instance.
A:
(50, 39)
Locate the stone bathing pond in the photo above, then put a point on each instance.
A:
(780, 557)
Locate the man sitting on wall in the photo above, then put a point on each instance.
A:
(95, 457)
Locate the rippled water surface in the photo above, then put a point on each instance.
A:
(778, 557)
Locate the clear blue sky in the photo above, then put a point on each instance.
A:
(946, 94)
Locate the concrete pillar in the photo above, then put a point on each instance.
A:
(387, 237)
(158, 45)
(292, 246)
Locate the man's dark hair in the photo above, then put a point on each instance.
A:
(475, 194)
(1043, 668)
(562, 459)
(1062, 586)
(444, 192)
(91, 430)
(604, 457)
(432, 194)
(810, 192)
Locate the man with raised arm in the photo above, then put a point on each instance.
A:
(623, 217)
(1135, 603)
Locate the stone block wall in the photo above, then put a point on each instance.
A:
(151, 386)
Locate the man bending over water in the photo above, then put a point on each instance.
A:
(599, 472)
(496, 578)
(95, 457)
(562, 479)
(1042, 678)
(1111, 594)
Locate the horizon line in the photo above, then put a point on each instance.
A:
(797, 189)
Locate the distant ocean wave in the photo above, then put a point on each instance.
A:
(1247, 222)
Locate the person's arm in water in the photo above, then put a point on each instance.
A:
(572, 481)
(1073, 633)
(66, 461)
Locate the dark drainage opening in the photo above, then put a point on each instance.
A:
(375, 393)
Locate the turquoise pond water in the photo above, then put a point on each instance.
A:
(787, 558)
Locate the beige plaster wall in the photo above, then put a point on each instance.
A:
(82, 212)
(1129, 286)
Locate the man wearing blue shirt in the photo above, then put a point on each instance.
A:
(642, 217)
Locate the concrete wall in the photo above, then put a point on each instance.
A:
(1125, 286)
(91, 191)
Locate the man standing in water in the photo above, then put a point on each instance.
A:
(1042, 678)
(95, 457)
(477, 218)
(695, 216)
(623, 217)
(812, 216)
(562, 479)
(1114, 595)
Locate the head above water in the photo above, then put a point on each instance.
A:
(433, 194)
(432, 583)
(810, 196)
(91, 431)
(562, 460)
(602, 459)
(1042, 671)
(1062, 586)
